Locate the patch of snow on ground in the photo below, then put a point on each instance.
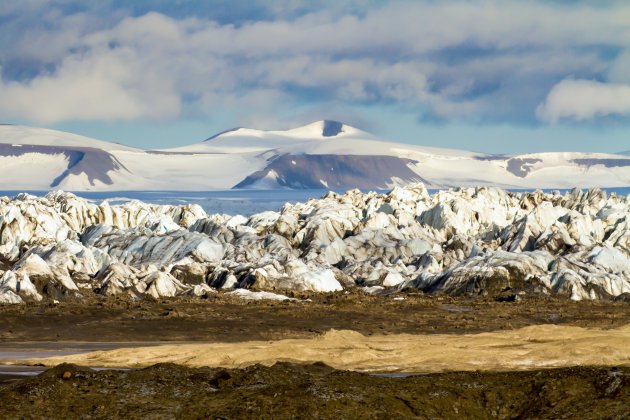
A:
(249, 295)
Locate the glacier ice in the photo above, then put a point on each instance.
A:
(473, 241)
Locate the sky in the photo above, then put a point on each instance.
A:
(498, 76)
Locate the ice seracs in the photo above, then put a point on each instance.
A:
(470, 241)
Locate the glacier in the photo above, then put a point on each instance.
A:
(464, 241)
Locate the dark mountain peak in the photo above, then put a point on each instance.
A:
(332, 128)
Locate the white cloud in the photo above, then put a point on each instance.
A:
(155, 66)
(104, 86)
(584, 100)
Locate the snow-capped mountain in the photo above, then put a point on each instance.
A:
(36, 158)
(324, 154)
(41, 159)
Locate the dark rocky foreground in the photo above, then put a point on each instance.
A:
(223, 318)
(315, 391)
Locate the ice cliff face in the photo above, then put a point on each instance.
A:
(466, 241)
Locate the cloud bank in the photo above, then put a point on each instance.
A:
(584, 100)
(471, 60)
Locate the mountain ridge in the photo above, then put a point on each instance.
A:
(322, 154)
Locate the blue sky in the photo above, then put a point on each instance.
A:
(496, 76)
